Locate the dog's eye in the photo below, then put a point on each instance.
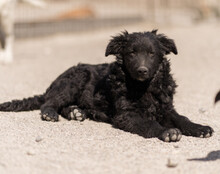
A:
(132, 52)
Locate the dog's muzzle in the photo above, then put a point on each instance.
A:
(143, 73)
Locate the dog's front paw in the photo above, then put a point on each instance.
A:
(76, 114)
(49, 115)
(198, 130)
(171, 135)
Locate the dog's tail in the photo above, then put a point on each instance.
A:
(217, 98)
(26, 104)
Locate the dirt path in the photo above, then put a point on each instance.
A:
(31, 146)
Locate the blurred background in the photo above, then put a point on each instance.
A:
(60, 16)
(64, 33)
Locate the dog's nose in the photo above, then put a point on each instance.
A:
(142, 70)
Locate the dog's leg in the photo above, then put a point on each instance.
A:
(98, 116)
(134, 123)
(2, 36)
(55, 103)
(7, 24)
(189, 128)
(6, 55)
(85, 108)
(73, 113)
(49, 111)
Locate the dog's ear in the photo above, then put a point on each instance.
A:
(154, 31)
(167, 44)
(116, 44)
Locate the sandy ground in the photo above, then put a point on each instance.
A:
(96, 148)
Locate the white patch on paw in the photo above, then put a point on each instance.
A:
(76, 114)
(75, 111)
(167, 139)
(174, 137)
(171, 135)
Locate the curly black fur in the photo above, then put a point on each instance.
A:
(135, 93)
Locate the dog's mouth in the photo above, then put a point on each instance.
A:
(142, 78)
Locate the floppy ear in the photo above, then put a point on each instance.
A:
(116, 44)
(167, 44)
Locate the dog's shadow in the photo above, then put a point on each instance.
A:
(212, 156)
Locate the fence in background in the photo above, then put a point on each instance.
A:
(80, 15)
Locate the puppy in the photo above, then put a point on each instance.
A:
(134, 93)
(6, 27)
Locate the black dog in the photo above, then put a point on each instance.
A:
(135, 93)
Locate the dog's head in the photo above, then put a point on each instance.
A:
(140, 53)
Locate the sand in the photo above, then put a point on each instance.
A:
(29, 145)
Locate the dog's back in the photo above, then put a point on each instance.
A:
(81, 81)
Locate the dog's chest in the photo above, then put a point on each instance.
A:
(147, 102)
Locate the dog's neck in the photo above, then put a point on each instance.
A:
(162, 73)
